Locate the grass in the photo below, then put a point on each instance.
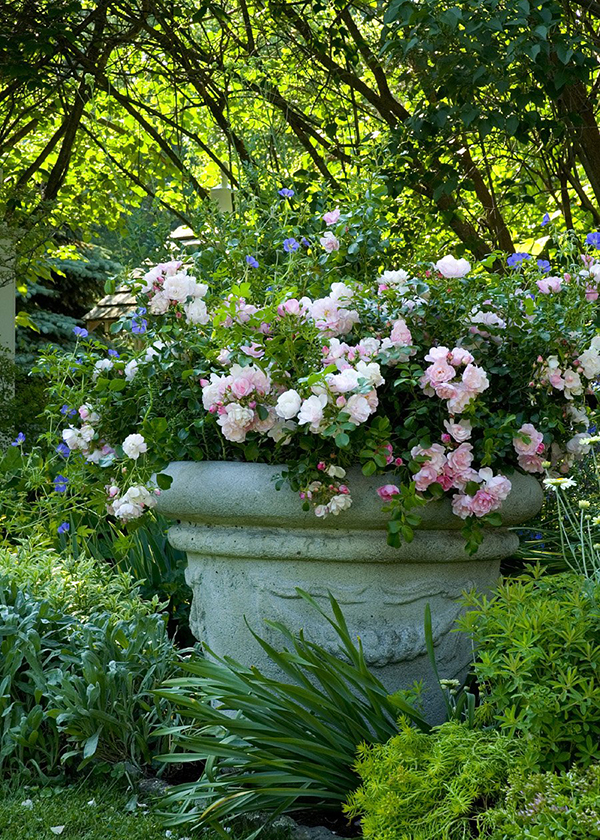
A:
(86, 811)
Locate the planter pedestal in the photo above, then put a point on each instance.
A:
(249, 546)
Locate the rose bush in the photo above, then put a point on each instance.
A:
(444, 375)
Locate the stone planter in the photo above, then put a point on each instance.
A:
(249, 546)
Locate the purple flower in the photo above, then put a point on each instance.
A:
(142, 310)
(20, 438)
(113, 353)
(515, 260)
(251, 262)
(545, 219)
(139, 327)
(63, 528)
(543, 265)
(60, 483)
(63, 450)
(290, 245)
(80, 332)
(593, 239)
(286, 192)
(305, 242)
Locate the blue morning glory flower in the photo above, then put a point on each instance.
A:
(545, 219)
(251, 262)
(139, 327)
(20, 438)
(63, 450)
(60, 483)
(543, 265)
(286, 192)
(516, 259)
(593, 239)
(113, 353)
(290, 245)
(80, 332)
(63, 528)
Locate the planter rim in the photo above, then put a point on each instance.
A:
(237, 493)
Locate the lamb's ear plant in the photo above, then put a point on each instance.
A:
(271, 745)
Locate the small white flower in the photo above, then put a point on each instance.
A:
(27, 803)
(335, 472)
(57, 829)
(559, 483)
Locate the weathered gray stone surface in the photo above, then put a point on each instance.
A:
(250, 546)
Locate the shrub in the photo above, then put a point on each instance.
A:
(538, 663)
(74, 689)
(430, 786)
(548, 806)
(77, 585)
(273, 746)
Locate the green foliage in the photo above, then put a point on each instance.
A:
(78, 689)
(78, 585)
(86, 811)
(548, 806)
(274, 746)
(538, 654)
(430, 786)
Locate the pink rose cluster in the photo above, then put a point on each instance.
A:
(442, 378)
(529, 446)
(85, 439)
(329, 496)
(332, 315)
(243, 401)
(169, 285)
(450, 464)
(131, 504)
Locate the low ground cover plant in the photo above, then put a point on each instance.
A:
(431, 786)
(548, 806)
(538, 660)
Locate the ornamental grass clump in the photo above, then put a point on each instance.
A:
(271, 745)
(444, 377)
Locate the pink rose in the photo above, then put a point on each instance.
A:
(332, 216)
(591, 293)
(437, 353)
(460, 459)
(440, 371)
(400, 335)
(549, 284)
(358, 408)
(427, 475)
(459, 431)
(531, 463)
(475, 379)
(329, 242)
(530, 446)
(483, 502)
(460, 356)
(386, 492)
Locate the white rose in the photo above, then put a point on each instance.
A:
(394, 278)
(196, 312)
(179, 287)
(450, 267)
(72, 438)
(358, 408)
(134, 446)
(131, 368)
(371, 372)
(159, 303)
(288, 404)
(311, 411)
(339, 503)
